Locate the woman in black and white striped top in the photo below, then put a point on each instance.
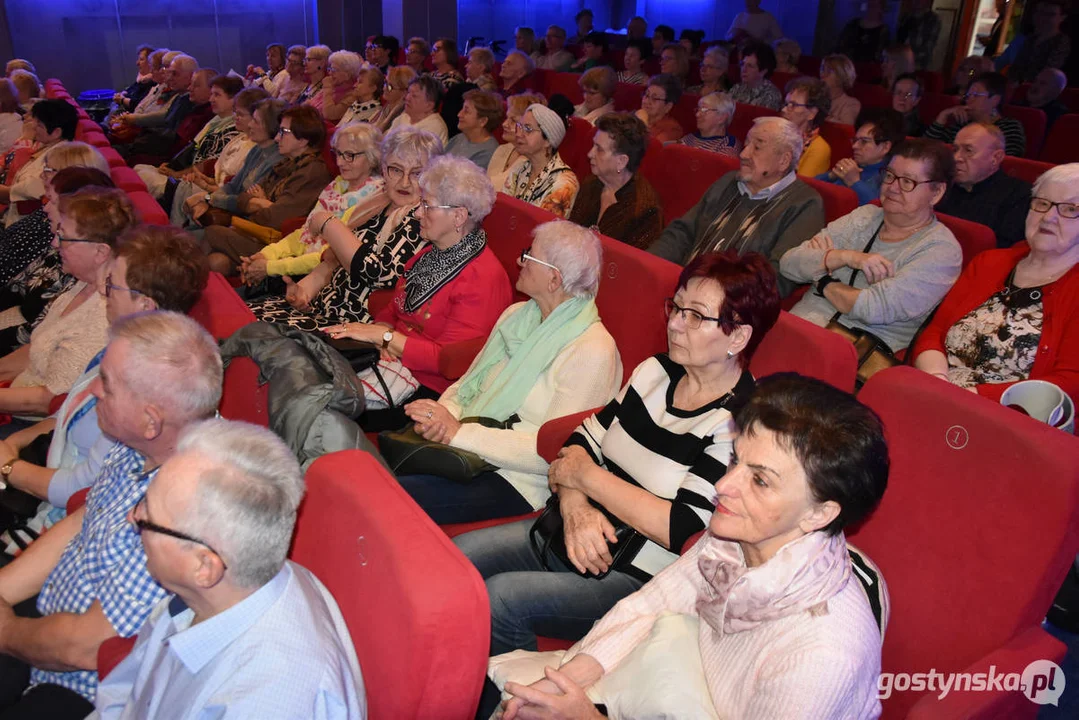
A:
(651, 458)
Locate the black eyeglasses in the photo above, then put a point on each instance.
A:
(1064, 209)
(906, 184)
(346, 155)
(690, 317)
(144, 525)
(61, 238)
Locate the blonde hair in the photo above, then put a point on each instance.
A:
(400, 76)
(601, 79)
(26, 82)
(71, 153)
(19, 64)
(843, 68)
(518, 104)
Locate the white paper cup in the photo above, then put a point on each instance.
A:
(1044, 401)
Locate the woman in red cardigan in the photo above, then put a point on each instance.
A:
(453, 290)
(1014, 313)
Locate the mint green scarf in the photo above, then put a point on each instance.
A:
(530, 344)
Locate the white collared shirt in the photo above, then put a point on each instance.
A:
(770, 191)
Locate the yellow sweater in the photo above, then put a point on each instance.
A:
(816, 159)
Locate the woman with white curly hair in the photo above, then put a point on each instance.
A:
(453, 290)
(546, 358)
(339, 88)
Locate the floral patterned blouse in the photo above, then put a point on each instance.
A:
(554, 190)
(997, 341)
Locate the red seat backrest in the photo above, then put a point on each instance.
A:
(221, 311)
(1034, 123)
(416, 608)
(327, 149)
(780, 80)
(541, 81)
(112, 157)
(867, 72)
(567, 84)
(744, 115)
(97, 139)
(978, 523)
(973, 237)
(932, 81)
(509, 228)
(1070, 97)
(839, 137)
(1024, 169)
(872, 95)
(796, 345)
(839, 200)
(933, 103)
(809, 65)
(1061, 147)
(86, 126)
(148, 208)
(680, 175)
(127, 179)
(685, 111)
(575, 146)
(632, 289)
(627, 98)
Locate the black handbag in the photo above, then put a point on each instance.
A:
(409, 453)
(548, 538)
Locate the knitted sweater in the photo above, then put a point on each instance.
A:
(926, 265)
(586, 374)
(1058, 354)
(772, 648)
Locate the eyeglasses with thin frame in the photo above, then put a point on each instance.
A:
(690, 317)
(526, 256)
(109, 287)
(144, 525)
(972, 94)
(525, 128)
(863, 140)
(903, 95)
(655, 98)
(426, 206)
(282, 130)
(906, 184)
(397, 173)
(705, 109)
(1064, 209)
(791, 103)
(61, 238)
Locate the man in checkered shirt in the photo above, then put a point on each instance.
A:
(161, 373)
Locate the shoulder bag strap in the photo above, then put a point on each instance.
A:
(854, 272)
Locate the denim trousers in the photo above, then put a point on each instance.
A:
(487, 497)
(527, 600)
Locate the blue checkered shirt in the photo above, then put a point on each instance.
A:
(104, 562)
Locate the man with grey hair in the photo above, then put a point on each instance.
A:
(161, 372)
(186, 116)
(216, 524)
(1044, 94)
(763, 207)
(516, 74)
(982, 191)
(555, 57)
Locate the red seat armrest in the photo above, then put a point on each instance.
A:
(292, 224)
(77, 500)
(377, 300)
(111, 652)
(56, 402)
(1029, 645)
(454, 358)
(553, 434)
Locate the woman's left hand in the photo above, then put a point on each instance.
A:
(258, 203)
(316, 220)
(364, 332)
(434, 421)
(538, 701)
(848, 171)
(569, 468)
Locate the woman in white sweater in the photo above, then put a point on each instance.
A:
(647, 460)
(766, 616)
(545, 358)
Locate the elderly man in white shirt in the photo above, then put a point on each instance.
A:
(246, 632)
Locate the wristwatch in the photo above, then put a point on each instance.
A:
(5, 472)
(387, 337)
(823, 283)
(206, 198)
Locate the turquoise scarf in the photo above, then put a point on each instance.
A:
(530, 344)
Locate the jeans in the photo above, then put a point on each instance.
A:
(527, 600)
(487, 497)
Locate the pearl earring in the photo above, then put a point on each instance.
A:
(730, 354)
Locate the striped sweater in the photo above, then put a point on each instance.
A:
(1015, 137)
(672, 453)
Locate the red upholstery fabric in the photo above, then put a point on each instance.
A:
(554, 433)
(809, 65)
(1061, 147)
(454, 358)
(1070, 97)
(149, 209)
(112, 157)
(416, 608)
(932, 81)
(327, 149)
(455, 529)
(796, 345)
(221, 311)
(780, 80)
(973, 237)
(681, 175)
(871, 95)
(839, 200)
(567, 84)
(77, 500)
(111, 652)
(86, 126)
(868, 72)
(839, 137)
(575, 146)
(685, 111)
(1024, 169)
(378, 300)
(56, 402)
(127, 179)
(933, 103)
(96, 139)
(627, 98)
(292, 224)
(744, 115)
(509, 230)
(977, 523)
(1034, 123)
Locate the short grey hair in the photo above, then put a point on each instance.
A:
(186, 61)
(483, 56)
(719, 53)
(169, 56)
(1066, 174)
(530, 64)
(348, 61)
(785, 135)
(367, 137)
(411, 145)
(173, 363)
(454, 180)
(318, 52)
(722, 102)
(577, 253)
(245, 506)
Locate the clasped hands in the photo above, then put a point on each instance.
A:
(433, 421)
(875, 267)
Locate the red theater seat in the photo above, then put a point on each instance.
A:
(575, 146)
(149, 209)
(567, 84)
(984, 501)
(796, 345)
(685, 111)
(682, 174)
(839, 138)
(416, 608)
(1061, 146)
(112, 157)
(839, 200)
(933, 103)
(744, 115)
(1024, 169)
(872, 95)
(973, 237)
(627, 98)
(1034, 123)
(127, 179)
(97, 139)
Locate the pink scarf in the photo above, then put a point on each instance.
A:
(803, 574)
